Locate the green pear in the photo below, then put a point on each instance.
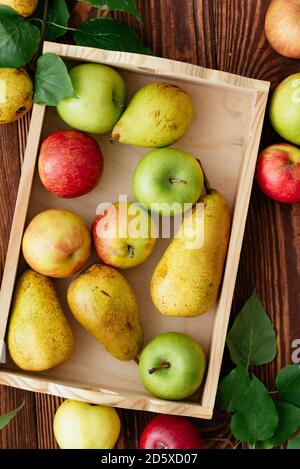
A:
(157, 116)
(186, 280)
(39, 335)
(104, 303)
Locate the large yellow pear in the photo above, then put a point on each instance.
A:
(22, 7)
(104, 303)
(186, 280)
(39, 335)
(157, 116)
(16, 90)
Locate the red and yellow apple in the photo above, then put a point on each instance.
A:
(282, 27)
(70, 163)
(57, 243)
(124, 234)
(278, 173)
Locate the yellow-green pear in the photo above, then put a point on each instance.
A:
(158, 115)
(186, 280)
(16, 94)
(39, 335)
(22, 7)
(104, 303)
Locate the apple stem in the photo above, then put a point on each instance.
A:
(175, 180)
(207, 184)
(131, 251)
(163, 364)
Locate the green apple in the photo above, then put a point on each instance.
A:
(166, 179)
(172, 366)
(79, 425)
(99, 102)
(124, 234)
(285, 109)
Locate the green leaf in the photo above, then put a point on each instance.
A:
(126, 6)
(288, 384)
(5, 419)
(256, 417)
(231, 388)
(8, 11)
(59, 14)
(252, 339)
(295, 443)
(288, 422)
(263, 445)
(18, 39)
(106, 33)
(52, 81)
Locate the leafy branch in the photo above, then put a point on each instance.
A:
(21, 41)
(257, 419)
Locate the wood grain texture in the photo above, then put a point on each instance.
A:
(226, 35)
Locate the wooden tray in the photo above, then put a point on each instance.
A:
(224, 135)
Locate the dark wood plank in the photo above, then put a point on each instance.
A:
(227, 35)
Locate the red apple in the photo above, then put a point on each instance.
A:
(170, 432)
(278, 173)
(70, 163)
(124, 234)
(282, 27)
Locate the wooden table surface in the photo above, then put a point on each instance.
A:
(225, 35)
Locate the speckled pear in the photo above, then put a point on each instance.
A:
(39, 335)
(104, 303)
(186, 281)
(158, 115)
(16, 90)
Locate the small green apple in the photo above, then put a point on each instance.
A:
(79, 425)
(172, 366)
(285, 109)
(99, 102)
(166, 179)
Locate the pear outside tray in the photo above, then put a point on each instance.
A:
(224, 135)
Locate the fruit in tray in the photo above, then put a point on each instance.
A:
(70, 163)
(39, 335)
(124, 234)
(172, 366)
(22, 7)
(99, 102)
(104, 303)
(16, 91)
(57, 243)
(187, 278)
(285, 109)
(170, 432)
(278, 173)
(166, 179)
(79, 425)
(158, 115)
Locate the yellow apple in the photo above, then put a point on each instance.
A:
(79, 425)
(57, 243)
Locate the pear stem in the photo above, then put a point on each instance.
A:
(163, 364)
(207, 184)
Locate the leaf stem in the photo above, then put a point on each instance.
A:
(52, 24)
(33, 62)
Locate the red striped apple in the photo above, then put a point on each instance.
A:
(57, 243)
(124, 234)
(70, 163)
(278, 173)
(282, 27)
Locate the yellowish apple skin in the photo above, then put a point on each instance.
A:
(127, 251)
(79, 425)
(57, 243)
